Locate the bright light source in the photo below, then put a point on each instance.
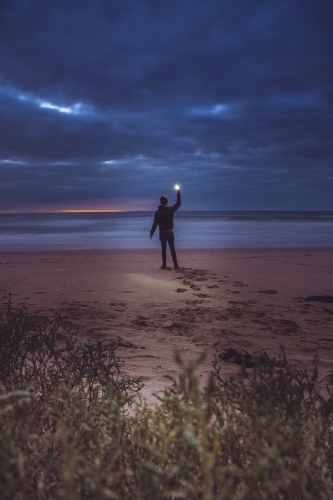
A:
(177, 187)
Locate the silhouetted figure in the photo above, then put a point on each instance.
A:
(164, 219)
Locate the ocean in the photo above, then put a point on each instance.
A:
(128, 230)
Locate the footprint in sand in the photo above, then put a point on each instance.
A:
(193, 302)
(326, 299)
(195, 287)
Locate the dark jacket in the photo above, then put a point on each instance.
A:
(164, 216)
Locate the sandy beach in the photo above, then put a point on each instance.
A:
(250, 299)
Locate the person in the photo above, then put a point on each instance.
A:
(164, 219)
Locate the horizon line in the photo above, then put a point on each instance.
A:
(73, 211)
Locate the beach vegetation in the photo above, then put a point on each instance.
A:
(72, 425)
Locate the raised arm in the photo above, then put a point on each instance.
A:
(178, 202)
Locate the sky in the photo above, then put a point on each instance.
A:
(106, 104)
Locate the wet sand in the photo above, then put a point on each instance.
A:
(251, 299)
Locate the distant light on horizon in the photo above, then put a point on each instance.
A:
(113, 206)
(8, 212)
(90, 210)
(61, 210)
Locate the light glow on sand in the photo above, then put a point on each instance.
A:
(151, 285)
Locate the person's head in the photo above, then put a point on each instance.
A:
(164, 200)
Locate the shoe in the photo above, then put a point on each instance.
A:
(163, 267)
(176, 266)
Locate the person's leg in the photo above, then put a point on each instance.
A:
(171, 241)
(163, 245)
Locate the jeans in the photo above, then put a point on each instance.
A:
(170, 238)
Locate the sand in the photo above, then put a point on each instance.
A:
(251, 299)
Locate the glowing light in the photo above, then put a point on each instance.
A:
(177, 187)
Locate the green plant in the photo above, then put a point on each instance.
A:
(265, 434)
(39, 354)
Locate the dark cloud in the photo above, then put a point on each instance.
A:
(108, 103)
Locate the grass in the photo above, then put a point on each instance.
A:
(71, 426)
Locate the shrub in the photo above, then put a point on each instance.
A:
(78, 434)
